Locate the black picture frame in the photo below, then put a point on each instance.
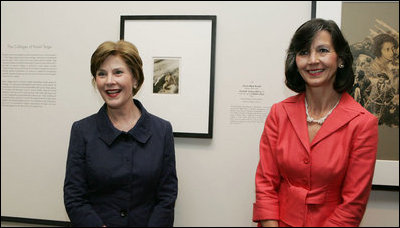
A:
(190, 42)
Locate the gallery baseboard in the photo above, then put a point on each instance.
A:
(35, 221)
(385, 187)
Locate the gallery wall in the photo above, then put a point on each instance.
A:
(216, 176)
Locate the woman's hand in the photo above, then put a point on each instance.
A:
(269, 223)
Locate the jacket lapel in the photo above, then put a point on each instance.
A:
(346, 110)
(107, 132)
(296, 112)
(141, 132)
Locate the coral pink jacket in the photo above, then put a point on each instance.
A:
(323, 183)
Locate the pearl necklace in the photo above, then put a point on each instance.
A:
(321, 120)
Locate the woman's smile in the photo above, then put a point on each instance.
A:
(113, 92)
(315, 72)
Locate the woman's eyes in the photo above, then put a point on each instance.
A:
(323, 50)
(319, 50)
(303, 52)
(101, 74)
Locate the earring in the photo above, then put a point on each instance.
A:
(341, 66)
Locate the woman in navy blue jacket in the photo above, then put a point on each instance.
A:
(121, 160)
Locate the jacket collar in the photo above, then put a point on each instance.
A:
(345, 111)
(108, 133)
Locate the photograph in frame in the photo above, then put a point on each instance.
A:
(166, 75)
(374, 42)
(367, 25)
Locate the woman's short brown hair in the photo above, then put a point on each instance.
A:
(127, 51)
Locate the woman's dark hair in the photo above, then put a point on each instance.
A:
(302, 40)
(379, 40)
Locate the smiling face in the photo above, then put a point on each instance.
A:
(115, 81)
(318, 65)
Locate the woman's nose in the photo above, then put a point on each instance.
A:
(110, 79)
(313, 58)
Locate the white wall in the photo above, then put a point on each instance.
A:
(216, 176)
(382, 209)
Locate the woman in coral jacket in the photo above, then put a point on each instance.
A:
(318, 148)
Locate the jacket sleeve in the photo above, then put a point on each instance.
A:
(163, 212)
(358, 180)
(76, 202)
(267, 174)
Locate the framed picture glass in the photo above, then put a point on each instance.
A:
(178, 54)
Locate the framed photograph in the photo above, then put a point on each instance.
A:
(166, 75)
(178, 54)
(372, 30)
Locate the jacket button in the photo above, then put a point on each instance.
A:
(306, 161)
(123, 213)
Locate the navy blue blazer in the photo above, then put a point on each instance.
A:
(117, 178)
